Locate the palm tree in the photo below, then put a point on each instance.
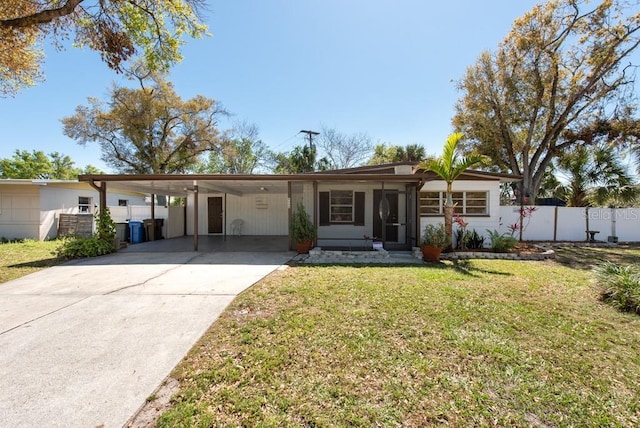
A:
(449, 167)
(596, 176)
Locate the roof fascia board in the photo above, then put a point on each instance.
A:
(255, 177)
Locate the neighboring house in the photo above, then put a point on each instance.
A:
(392, 202)
(31, 208)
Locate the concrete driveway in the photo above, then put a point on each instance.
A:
(85, 343)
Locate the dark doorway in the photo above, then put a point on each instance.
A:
(391, 231)
(214, 212)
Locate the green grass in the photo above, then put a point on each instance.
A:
(22, 258)
(480, 343)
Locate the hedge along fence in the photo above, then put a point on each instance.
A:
(570, 224)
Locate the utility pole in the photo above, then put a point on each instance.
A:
(310, 135)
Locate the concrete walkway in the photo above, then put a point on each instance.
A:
(85, 343)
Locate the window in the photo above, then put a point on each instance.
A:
(84, 205)
(341, 206)
(468, 203)
(123, 202)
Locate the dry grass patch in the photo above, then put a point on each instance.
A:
(482, 343)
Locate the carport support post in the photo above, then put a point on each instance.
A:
(315, 210)
(152, 231)
(195, 217)
(289, 214)
(102, 193)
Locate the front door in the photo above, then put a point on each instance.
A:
(379, 207)
(214, 212)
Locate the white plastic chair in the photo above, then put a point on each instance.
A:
(236, 226)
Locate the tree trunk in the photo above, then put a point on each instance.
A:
(448, 225)
(527, 192)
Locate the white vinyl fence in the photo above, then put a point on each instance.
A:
(173, 225)
(137, 213)
(570, 224)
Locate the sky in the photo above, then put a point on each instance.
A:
(382, 67)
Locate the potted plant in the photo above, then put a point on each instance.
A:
(434, 239)
(303, 231)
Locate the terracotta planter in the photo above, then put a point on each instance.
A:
(431, 253)
(304, 247)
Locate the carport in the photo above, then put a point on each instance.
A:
(262, 202)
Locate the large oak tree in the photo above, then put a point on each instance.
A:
(564, 65)
(240, 152)
(117, 29)
(149, 129)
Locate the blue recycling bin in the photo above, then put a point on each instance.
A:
(136, 232)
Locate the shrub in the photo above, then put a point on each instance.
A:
(620, 285)
(435, 235)
(476, 241)
(501, 242)
(302, 228)
(98, 245)
(11, 241)
(469, 240)
(77, 247)
(105, 226)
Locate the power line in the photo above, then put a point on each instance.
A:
(310, 135)
(284, 142)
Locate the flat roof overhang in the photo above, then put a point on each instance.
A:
(239, 184)
(236, 184)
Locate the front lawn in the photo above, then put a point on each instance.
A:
(479, 343)
(22, 258)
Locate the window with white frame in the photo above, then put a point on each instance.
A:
(123, 202)
(84, 205)
(467, 203)
(341, 206)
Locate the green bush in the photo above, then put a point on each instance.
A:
(11, 241)
(98, 245)
(106, 227)
(501, 242)
(620, 285)
(469, 240)
(78, 247)
(435, 235)
(302, 228)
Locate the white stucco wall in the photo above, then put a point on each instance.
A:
(57, 198)
(30, 209)
(353, 236)
(19, 211)
(479, 223)
(264, 214)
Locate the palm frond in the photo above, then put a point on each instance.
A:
(451, 164)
